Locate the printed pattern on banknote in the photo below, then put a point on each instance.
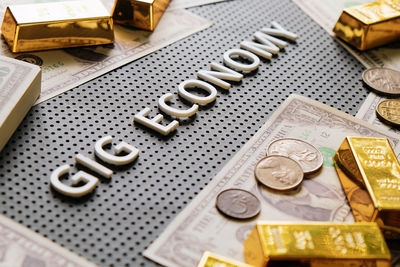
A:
(21, 247)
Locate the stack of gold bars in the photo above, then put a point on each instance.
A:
(370, 176)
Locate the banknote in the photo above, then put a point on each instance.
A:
(64, 69)
(326, 13)
(367, 112)
(201, 227)
(21, 247)
(174, 4)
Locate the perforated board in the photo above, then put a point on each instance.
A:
(115, 224)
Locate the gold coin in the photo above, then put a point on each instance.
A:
(389, 111)
(279, 172)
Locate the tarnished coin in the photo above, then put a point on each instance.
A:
(389, 111)
(383, 80)
(279, 172)
(238, 204)
(309, 157)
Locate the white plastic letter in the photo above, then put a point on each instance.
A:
(261, 36)
(258, 49)
(265, 40)
(67, 190)
(154, 123)
(240, 66)
(174, 111)
(279, 31)
(93, 165)
(215, 77)
(194, 98)
(132, 151)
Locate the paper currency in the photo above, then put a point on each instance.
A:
(326, 13)
(175, 4)
(21, 247)
(200, 227)
(367, 112)
(65, 69)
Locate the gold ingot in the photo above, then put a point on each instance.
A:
(212, 260)
(370, 25)
(370, 176)
(34, 27)
(142, 14)
(316, 244)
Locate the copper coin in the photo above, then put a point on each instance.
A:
(389, 111)
(238, 204)
(279, 172)
(383, 80)
(309, 157)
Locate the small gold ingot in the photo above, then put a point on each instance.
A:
(142, 14)
(370, 176)
(316, 244)
(35, 27)
(370, 25)
(210, 260)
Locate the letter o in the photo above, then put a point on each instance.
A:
(194, 98)
(240, 66)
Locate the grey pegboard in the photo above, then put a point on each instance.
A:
(115, 224)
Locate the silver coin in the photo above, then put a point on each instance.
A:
(308, 156)
(383, 80)
(279, 172)
(238, 204)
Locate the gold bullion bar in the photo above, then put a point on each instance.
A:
(370, 168)
(316, 244)
(210, 259)
(142, 14)
(370, 25)
(44, 26)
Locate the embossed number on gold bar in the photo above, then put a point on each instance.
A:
(370, 176)
(371, 25)
(45, 26)
(316, 244)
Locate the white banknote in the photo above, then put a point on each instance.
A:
(64, 69)
(367, 112)
(21, 247)
(201, 227)
(327, 12)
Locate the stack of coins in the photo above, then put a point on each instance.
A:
(387, 82)
(287, 162)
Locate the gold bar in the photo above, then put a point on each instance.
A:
(210, 259)
(316, 244)
(370, 176)
(142, 14)
(34, 27)
(370, 25)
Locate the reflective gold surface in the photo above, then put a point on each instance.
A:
(45, 26)
(316, 244)
(369, 25)
(370, 176)
(213, 260)
(142, 14)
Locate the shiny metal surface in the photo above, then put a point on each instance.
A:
(142, 14)
(46, 26)
(371, 25)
